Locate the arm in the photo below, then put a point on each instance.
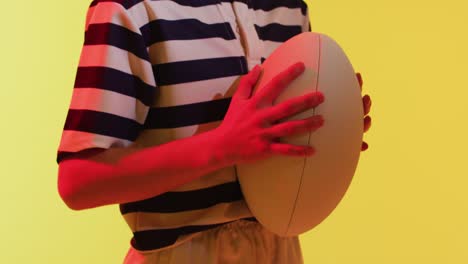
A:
(120, 175)
(100, 177)
(111, 98)
(99, 173)
(112, 95)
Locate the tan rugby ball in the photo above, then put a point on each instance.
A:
(291, 195)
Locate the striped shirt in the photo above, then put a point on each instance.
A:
(154, 71)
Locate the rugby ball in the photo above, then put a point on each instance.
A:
(291, 195)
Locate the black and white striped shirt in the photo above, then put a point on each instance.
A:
(149, 73)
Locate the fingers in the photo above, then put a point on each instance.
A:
(247, 83)
(291, 150)
(359, 77)
(276, 85)
(294, 127)
(364, 146)
(367, 123)
(366, 103)
(292, 106)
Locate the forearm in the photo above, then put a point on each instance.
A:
(122, 175)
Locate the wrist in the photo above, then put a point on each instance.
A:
(220, 151)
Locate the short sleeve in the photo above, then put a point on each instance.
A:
(114, 84)
(306, 27)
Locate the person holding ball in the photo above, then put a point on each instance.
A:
(141, 93)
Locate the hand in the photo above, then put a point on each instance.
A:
(366, 101)
(250, 129)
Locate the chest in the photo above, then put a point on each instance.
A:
(192, 29)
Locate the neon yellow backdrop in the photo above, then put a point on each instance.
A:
(407, 203)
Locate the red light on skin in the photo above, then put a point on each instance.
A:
(366, 103)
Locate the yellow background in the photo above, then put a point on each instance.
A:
(407, 203)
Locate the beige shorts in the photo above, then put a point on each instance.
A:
(239, 242)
